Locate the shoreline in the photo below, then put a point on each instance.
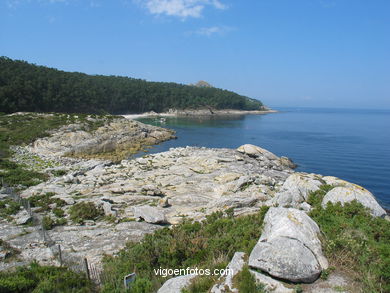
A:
(202, 112)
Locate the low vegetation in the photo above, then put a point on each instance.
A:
(244, 281)
(354, 241)
(8, 207)
(36, 278)
(45, 201)
(85, 211)
(206, 244)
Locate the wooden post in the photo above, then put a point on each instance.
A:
(87, 268)
(60, 254)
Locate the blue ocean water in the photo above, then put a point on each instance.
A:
(350, 144)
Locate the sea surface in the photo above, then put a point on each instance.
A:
(350, 144)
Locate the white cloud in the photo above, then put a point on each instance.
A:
(181, 8)
(213, 30)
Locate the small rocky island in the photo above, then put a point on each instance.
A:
(100, 200)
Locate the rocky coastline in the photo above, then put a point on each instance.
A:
(139, 196)
(200, 112)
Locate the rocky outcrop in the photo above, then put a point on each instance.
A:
(182, 183)
(296, 189)
(289, 247)
(350, 192)
(176, 284)
(115, 139)
(23, 217)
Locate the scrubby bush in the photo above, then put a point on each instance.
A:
(141, 285)
(190, 244)
(45, 200)
(58, 173)
(59, 213)
(36, 278)
(47, 223)
(85, 211)
(8, 207)
(355, 242)
(245, 282)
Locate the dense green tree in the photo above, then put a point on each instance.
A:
(28, 87)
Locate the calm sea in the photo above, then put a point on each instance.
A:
(351, 144)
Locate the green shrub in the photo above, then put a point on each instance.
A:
(59, 213)
(356, 242)
(48, 223)
(45, 200)
(85, 211)
(246, 283)
(190, 244)
(36, 278)
(60, 222)
(315, 197)
(8, 207)
(58, 173)
(141, 285)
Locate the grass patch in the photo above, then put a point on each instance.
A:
(355, 242)
(85, 211)
(36, 278)
(190, 244)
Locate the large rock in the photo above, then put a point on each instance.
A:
(354, 192)
(296, 189)
(23, 217)
(234, 267)
(175, 285)
(289, 247)
(150, 214)
(255, 151)
(117, 135)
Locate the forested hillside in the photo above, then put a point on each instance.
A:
(28, 87)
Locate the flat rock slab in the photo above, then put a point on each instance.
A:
(289, 247)
(150, 214)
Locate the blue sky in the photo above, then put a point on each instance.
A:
(317, 53)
